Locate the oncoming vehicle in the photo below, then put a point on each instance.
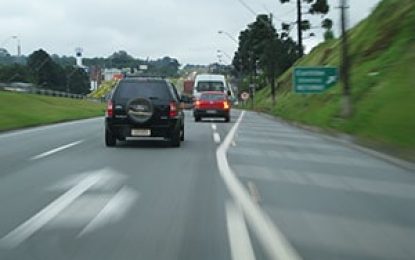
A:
(144, 107)
(212, 104)
(209, 82)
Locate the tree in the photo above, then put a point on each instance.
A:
(270, 63)
(166, 66)
(77, 81)
(14, 73)
(45, 72)
(64, 61)
(328, 25)
(252, 43)
(261, 47)
(121, 59)
(279, 55)
(314, 7)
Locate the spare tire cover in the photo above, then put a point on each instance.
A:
(140, 110)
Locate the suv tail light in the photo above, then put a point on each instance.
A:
(110, 109)
(225, 105)
(173, 110)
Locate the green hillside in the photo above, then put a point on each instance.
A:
(382, 77)
(22, 110)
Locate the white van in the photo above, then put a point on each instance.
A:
(209, 82)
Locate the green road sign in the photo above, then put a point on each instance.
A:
(314, 79)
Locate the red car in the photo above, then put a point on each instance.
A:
(212, 104)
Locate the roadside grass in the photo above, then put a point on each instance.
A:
(382, 50)
(18, 110)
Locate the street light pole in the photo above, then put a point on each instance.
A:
(19, 48)
(228, 35)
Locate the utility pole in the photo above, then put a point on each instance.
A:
(299, 29)
(251, 78)
(346, 99)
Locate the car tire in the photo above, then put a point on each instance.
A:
(182, 135)
(110, 139)
(227, 119)
(197, 119)
(175, 139)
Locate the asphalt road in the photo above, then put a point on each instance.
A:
(251, 189)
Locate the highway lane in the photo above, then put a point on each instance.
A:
(140, 200)
(64, 195)
(330, 201)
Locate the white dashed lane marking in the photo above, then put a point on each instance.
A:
(55, 150)
(216, 137)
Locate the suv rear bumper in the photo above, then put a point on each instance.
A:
(123, 130)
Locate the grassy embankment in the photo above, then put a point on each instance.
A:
(382, 50)
(19, 110)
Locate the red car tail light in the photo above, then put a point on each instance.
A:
(173, 110)
(110, 109)
(197, 103)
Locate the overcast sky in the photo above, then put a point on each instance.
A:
(184, 29)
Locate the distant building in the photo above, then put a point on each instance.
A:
(111, 74)
(95, 76)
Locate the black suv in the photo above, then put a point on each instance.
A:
(144, 107)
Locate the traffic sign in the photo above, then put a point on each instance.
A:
(244, 96)
(314, 79)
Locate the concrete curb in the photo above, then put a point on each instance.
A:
(344, 139)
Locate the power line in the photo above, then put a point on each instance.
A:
(250, 9)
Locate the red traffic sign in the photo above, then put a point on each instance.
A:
(244, 96)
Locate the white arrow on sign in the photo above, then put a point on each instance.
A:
(331, 80)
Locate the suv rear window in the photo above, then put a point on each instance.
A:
(212, 97)
(210, 86)
(146, 89)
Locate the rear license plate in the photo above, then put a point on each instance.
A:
(211, 111)
(140, 132)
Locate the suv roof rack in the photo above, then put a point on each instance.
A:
(142, 75)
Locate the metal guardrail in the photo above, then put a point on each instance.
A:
(54, 93)
(46, 92)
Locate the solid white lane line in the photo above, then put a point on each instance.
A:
(253, 190)
(216, 137)
(240, 243)
(273, 241)
(58, 149)
(113, 211)
(28, 228)
(214, 127)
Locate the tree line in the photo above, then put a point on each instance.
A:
(263, 50)
(41, 70)
(60, 73)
